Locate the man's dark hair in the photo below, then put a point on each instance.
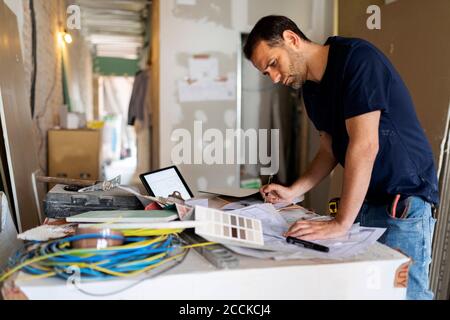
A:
(270, 29)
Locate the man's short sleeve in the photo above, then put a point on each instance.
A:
(366, 83)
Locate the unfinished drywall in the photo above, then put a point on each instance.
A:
(182, 36)
(413, 36)
(299, 11)
(78, 64)
(204, 28)
(48, 90)
(215, 11)
(50, 20)
(16, 6)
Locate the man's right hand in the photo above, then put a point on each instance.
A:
(275, 193)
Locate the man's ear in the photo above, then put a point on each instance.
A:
(291, 38)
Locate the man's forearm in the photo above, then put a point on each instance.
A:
(321, 166)
(358, 169)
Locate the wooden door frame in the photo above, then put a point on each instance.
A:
(154, 86)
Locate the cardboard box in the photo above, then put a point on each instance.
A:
(74, 154)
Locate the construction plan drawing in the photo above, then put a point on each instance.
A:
(274, 224)
(240, 204)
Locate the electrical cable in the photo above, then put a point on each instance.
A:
(136, 256)
(177, 263)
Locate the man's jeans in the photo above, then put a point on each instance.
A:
(412, 234)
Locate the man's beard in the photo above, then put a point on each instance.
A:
(297, 70)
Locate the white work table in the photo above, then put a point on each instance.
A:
(370, 275)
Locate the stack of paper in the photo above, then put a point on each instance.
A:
(274, 224)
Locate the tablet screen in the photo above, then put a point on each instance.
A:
(163, 183)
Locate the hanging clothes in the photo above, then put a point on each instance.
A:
(139, 116)
(138, 96)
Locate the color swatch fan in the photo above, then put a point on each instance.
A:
(228, 228)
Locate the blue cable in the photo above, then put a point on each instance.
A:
(125, 260)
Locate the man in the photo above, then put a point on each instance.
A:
(367, 123)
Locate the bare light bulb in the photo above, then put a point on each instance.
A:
(67, 38)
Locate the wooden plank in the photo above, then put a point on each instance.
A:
(8, 233)
(154, 83)
(16, 121)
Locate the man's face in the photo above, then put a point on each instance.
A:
(281, 63)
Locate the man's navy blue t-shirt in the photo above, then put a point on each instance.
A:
(359, 79)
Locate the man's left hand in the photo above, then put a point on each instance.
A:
(316, 230)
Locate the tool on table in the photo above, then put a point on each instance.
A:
(75, 184)
(103, 186)
(67, 181)
(62, 203)
(333, 206)
(307, 244)
(216, 254)
(64, 198)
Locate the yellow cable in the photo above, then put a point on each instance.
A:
(133, 273)
(120, 274)
(141, 244)
(199, 245)
(7, 274)
(149, 232)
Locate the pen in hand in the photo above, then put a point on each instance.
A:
(268, 182)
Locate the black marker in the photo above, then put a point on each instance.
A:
(307, 244)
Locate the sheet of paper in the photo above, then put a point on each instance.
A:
(47, 232)
(207, 90)
(300, 213)
(197, 202)
(231, 192)
(353, 243)
(241, 204)
(202, 68)
(252, 201)
(274, 224)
